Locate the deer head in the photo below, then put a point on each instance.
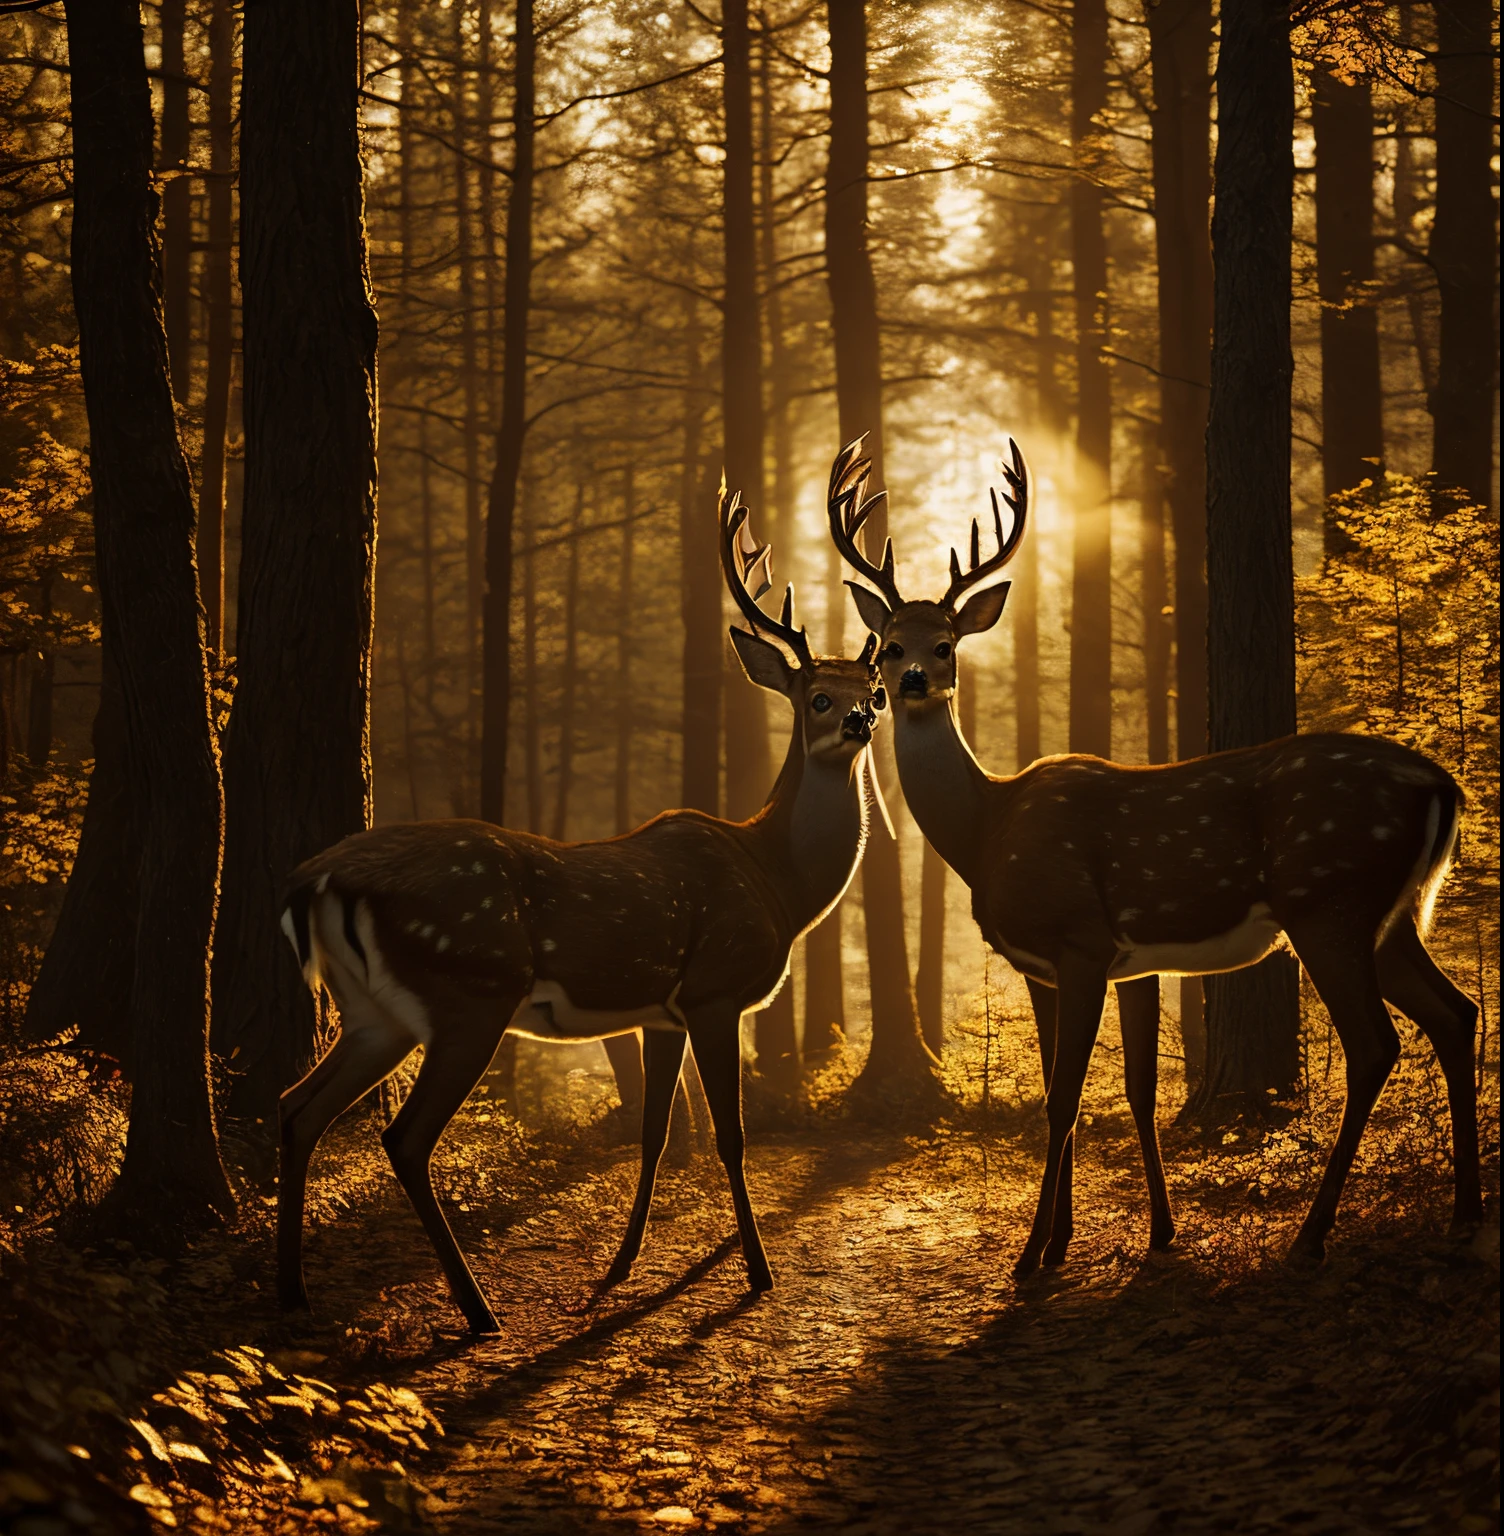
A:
(836, 700)
(917, 640)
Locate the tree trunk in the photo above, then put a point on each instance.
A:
(898, 1056)
(1154, 595)
(1464, 250)
(171, 1179)
(470, 384)
(699, 593)
(501, 511)
(1091, 582)
(749, 768)
(177, 206)
(1253, 1015)
(86, 975)
(929, 984)
(1352, 395)
(571, 672)
(297, 754)
(219, 298)
(1180, 41)
(532, 736)
(626, 704)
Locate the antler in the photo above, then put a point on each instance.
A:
(848, 507)
(1017, 497)
(748, 568)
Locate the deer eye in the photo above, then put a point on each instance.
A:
(820, 703)
(943, 649)
(893, 651)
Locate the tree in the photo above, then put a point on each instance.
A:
(501, 508)
(1464, 249)
(1091, 584)
(1253, 1016)
(171, 1178)
(1180, 40)
(1352, 395)
(297, 762)
(898, 1054)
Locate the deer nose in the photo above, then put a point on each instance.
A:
(913, 684)
(857, 726)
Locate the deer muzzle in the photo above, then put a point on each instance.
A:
(857, 726)
(913, 684)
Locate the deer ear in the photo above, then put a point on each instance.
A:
(763, 662)
(874, 611)
(981, 611)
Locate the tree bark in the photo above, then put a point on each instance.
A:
(1180, 40)
(171, 1179)
(532, 737)
(749, 767)
(1352, 395)
(501, 512)
(1153, 595)
(626, 704)
(570, 681)
(1464, 250)
(297, 754)
(699, 591)
(898, 1056)
(218, 293)
(177, 206)
(1091, 581)
(470, 382)
(1253, 1015)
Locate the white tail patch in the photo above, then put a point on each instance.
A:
(1419, 893)
(363, 987)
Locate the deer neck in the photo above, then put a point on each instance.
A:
(943, 783)
(813, 827)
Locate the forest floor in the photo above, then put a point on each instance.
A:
(896, 1380)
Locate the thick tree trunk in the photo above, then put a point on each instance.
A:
(171, 1179)
(532, 736)
(898, 1056)
(1091, 582)
(1154, 595)
(749, 767)
(177, 206)
(1464, 249)
(501, 511)
(470, 381)
(1180, 40)
(1352, 395)
(929, 983)
(1253, 1016)
(297, 754)
(85, 977)
(219, 302)
(626, 704)
(699, 592)
(569, 684)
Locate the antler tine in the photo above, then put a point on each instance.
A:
(1016, 495)
(738, 563)
(848, 507)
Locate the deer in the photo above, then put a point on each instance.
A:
(447, 934)
(1085, 872)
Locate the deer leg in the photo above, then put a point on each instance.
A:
(715, 1035)
(1448, 1017)
(1062, 1225)
(662, 1059)
(358, 1060)
(625, 1053)
(1346, 979)
(1082, 989)
(1138, 1012)
(453, 1063)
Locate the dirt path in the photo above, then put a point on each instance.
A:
(896, 1380)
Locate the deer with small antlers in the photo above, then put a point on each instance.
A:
(1085, 872)
(446, 934)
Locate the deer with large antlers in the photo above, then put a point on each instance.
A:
(1085, 872)
(446, 934)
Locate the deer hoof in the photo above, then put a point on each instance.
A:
(1161, 1238)
(759, 1278)
(1308, 1250)
(1054, 1253)
(484, 1323)
(1028, 1262)
(293, 1298)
